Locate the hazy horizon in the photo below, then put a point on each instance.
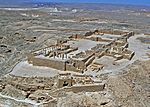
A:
(126, 2)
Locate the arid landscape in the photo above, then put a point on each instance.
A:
(75, 55)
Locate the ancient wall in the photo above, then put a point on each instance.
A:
(106, 31)
(115, 48)
(49, 104)
(115, 32)
(147, 34)
(60, 41)
(60, 65)
(70, 67)
(118, 56)
(88, 56)
(99, 39)
(79, 64)
(128, 55)
(64, 82)
(87, 63)
(103, 31)
(76, 36)
(88, 88)
(88, 34)
(71, 50)
(100, 54)
(57, 64)
(118, 44)
(129, 34)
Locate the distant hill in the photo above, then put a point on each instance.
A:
(84, 6)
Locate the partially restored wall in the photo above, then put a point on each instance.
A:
(56, 64)
(47, 63)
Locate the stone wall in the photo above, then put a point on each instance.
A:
(49, 104)
(116, 32)
(88, 88)
(129, 34)
(70, 67)
(99, 39)
(89, 61)
(100, 54)
(109, 31)
(79, 64)
(76, 36)
(60, 65)
(88, 34)
(64, 82)
(102, 31)
(128, 55)
(71, 50)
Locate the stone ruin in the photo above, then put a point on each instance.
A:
(44, 90)
(66, 57)
(76, 54)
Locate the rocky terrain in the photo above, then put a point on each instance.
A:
(128, 89)
(131, 88)
(25, 30)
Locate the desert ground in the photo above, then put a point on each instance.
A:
(24, 30)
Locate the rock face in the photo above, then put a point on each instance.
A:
(132, 89)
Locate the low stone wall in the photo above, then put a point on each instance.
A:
(129, 34)
(87, 57)
(77, 36)
(99, 39)
(102, 31)
(90, 61)
(88, 34)
(100, 54)
(147, 34)
(108, 31)
(71, 50)
(49, 104)
(129, 56)
(88, 88)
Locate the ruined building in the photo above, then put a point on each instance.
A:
(79, 52)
